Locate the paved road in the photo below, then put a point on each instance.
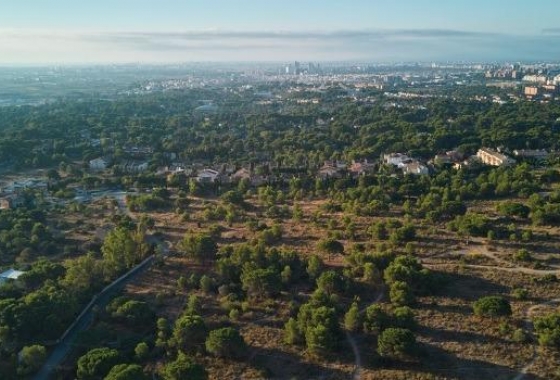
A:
(66, 343)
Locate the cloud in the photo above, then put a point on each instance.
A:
(368, 45)
(551, 31)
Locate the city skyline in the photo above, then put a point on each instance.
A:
(247, 30)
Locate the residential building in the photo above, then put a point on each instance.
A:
(134, 166)
(208, 176)
(10, 275)
(361, 168)
(415, 168)
(493, 158)
(99, 164)
(330, 170)
(396, 159)
(539, 154)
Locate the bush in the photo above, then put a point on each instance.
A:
(492, 306)
(522, 255)
(396, 343)
(520, 293)
(548, 330)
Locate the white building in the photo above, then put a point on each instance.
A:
(98, 164)
(208, 176)
(396, 159)
(539, 154)
(10, 274)
(493, 158)
(415, 168)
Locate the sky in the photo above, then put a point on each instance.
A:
(158, 31)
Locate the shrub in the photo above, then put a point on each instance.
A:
(492, 306)
(522, 255)
(548, 329)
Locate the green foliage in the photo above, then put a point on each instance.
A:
(401, 294)
(547, 328)
(330, 282)
(122, 249)
(471, 224)
(403, 317)
(292, 335)
(258, 282)
(408, 270)
(520, 293)
(31, 359)
(509, 208)
(226, 342)
(319, 340)
(314, 266)
(233, 196)
(190, 333)
(492, 306)
(375, 319)
(135, 313)
(330, 247)
(97, 363)
(199, 247)
(523, 255)
(184, 367)
(142, 351)
(396, 343)
(126, 372)
(352, 318)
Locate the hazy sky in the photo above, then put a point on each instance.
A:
(45, 31)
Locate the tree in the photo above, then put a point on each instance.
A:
(331, 283)
(292, 335)
(135, 313)
(319, 339)
(330, 247)
(314, 266)
(396, 343)
(226, 342)
(258, 282)
(184, 367)
(189, 333)
(375, 319)
(97, 363)
(199, 247)
(403, 317)
(141, 351)
(401, 294)
(492, 306)
(31, 359)
(352, 320)
(122, 249)
(126, 372)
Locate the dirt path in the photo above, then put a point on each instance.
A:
(511, 267)
(357, 375)
(529, 326)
